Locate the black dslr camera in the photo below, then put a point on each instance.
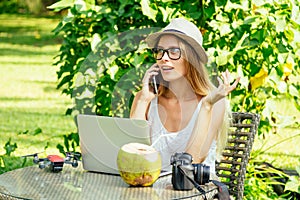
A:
(185, 174)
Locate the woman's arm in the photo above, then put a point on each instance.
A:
(141, 102)
(210, 119)
(139, 108)
(206, 129)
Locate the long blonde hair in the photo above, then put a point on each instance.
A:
(198, 77)
(200, 82)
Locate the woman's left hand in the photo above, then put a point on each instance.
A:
(223, 89)
(224, 86)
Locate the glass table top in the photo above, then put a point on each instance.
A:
(76, 183)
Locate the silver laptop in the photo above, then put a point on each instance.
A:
(101, 138)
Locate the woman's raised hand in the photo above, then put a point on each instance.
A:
(147, 93)
(223, 89)
(143, 97)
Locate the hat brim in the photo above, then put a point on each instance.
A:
(152, 39)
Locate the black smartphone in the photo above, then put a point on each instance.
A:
(155, 90)
(155, 82)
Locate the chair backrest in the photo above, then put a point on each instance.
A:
(232, 168)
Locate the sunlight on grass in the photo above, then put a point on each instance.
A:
(28, 96)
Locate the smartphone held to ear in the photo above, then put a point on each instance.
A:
(155, 82)
(155, 90)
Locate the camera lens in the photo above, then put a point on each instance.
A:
(201, 173)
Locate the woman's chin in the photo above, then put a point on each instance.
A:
(172, 77)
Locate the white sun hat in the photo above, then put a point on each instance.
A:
(185, 30)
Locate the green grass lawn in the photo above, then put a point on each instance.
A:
(28, 95)
(29, 98)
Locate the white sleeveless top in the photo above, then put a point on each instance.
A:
(167, 143)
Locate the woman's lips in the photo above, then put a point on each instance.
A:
(167, 68)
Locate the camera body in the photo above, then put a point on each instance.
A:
(197, 172)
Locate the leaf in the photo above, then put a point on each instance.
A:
(234, 6)
(267, 51)
(297, 104)
(244, 80)
(269, 108)
(287, 68)
(280, 24)
(239, 44)
(250, 19)
(293, 184)
(289, 34)
(167, 12)
(295, 12)
(224, 56)
(209, 11)
(254, 68)
(81, 5)
(221, 59)
(79, 79)
(23, 132)
(61, 5)
(96, 39)
(284, 121)
(147, 10)
(298, 169)
(225, 29)
(293, 91)
(66, 143)
(260, 35)
(282, 87)
(86, 94)
(259, 79)
(9, 147)
(112, 71)
(47, 146)
(220, 3)
(282, 48)
(65, 80)
(60, 148)
(69, 111)
(37, 131)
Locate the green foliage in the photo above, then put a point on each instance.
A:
(9, 147)
(34, 132)
(293, 184)
(9, 162)
(257, 187)
(13, 6)
(35, 7)
(103, 56)
(71, 141)
(98, 68)
(249, 38)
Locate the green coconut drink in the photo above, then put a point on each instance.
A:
(139, 164)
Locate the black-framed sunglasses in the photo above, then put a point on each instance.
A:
(173, 53)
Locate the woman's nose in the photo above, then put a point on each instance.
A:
(165, 56)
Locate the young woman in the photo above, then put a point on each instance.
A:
(188, 114)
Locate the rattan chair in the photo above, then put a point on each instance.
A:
(232, 168)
